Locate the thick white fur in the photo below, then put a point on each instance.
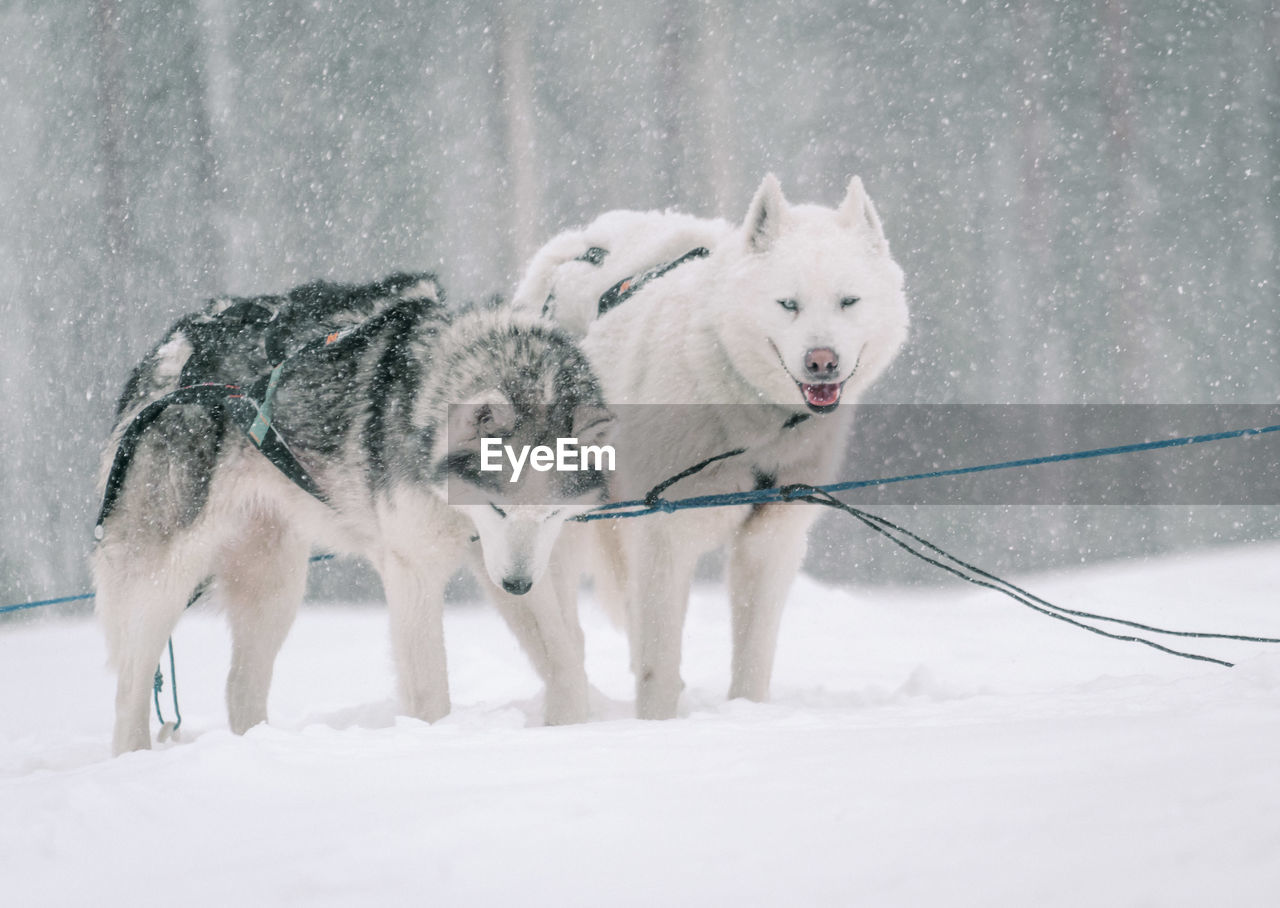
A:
(569, 289)
(712, 332)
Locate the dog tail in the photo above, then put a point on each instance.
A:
(537, 292)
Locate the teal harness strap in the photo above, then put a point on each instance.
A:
(262, 422)
(167, 729)
(267, 438)
(246, 413)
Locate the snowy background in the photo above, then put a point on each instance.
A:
(1083, 195)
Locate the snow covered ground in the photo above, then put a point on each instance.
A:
(923, 747)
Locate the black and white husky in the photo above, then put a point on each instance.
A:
(381, 402)
(752, 337)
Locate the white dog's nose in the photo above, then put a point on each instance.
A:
(822, 362)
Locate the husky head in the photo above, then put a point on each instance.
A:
(812, 305)
(525, 386)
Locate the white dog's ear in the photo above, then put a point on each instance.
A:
(857, 212)
(764, 218)
(489, 415)
(593, 425)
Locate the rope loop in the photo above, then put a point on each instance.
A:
(797, 491)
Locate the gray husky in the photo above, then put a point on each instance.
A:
(379, 398)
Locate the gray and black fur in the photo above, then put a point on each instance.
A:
(363, 401)
(235, 341)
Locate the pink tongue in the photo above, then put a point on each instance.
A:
(821, 395)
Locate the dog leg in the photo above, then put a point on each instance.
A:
(571, 703)
(764, 557)
(658, 597)
(551, 635)
(415, 601)
(138, 603)
(602, 545)
(262, 577)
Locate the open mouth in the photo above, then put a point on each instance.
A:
(821, 398)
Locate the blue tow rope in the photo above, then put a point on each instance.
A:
(42, 602)
(167, 729)
(80, 597)
(652, 504)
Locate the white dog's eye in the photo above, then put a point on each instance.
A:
(501, 513)
(790, 305)
(849, 301)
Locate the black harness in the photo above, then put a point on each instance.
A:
(627, 287)
(250, 410)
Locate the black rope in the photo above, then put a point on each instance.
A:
(978, 577)
(652, 498)
(1207, 635)
(970, 573)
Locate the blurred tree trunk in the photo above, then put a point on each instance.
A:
(672, 63)
(18, 340)
(1265, 205)
(1137, 333)
(1048, 339)
(519, 152)
(695, 108)
(205, 51)
(1013, 188)
(116, 224)
(717, 138)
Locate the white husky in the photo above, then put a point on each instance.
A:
(780, 322)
